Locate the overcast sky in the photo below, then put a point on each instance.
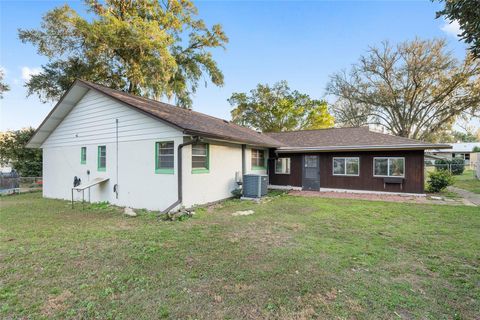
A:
(301, 42)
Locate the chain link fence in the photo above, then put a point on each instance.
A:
(12, 183)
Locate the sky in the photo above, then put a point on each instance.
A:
(303, 42)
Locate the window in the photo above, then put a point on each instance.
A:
(200, 158)
(102, 158)
(83, 155)
(389, 167)
(258, 159)
(282, 166)
(346, 166)
(164, 157)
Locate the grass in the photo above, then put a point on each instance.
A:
(467, 181)
(294, 258)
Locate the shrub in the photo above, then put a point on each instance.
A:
(456, 165)
(442, 164)
(237, 193)
(439, 180)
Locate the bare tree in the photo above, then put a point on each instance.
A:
(414, 89)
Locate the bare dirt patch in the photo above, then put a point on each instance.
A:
(55, 304)
(265, 235)
(376, 197)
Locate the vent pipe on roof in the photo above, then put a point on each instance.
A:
(179, 174)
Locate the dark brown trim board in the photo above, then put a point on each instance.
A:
(413, 182)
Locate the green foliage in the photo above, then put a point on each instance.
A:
(134, 46)
(278, 108)
(102, 205)
(415, 89)
(476, 149)
(3, 86)
(464, 137)
(467, 14)
(439, 180)
(27, 162)
(456, 165)
(237, 193)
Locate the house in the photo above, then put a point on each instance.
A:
(136, 152)
(462, 150)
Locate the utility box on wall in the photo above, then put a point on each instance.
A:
(255, 185)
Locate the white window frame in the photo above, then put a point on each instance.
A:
(388, 167)
(345, 174)
(289, 165)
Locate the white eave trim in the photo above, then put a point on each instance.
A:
(363, 147)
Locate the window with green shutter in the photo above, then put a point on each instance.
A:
(258, 159)
(83, 155)
(200, 158)
(102, 158)
(164, 157)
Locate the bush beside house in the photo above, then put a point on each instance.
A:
(439, 180)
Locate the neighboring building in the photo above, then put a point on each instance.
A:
(148, 154)
(462, 150)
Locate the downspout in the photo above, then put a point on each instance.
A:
(244, 164)
(179, 174)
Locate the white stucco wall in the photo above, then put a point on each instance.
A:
(219, 182)
(92, 122)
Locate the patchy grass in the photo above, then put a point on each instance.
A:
(467, 181)
(294, 258)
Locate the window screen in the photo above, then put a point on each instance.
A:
(200, 156)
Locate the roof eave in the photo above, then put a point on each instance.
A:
(363, 148)
(227, 139)
(33, 145)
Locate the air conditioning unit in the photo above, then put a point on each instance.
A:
(255, 185)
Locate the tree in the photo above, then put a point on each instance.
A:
(467, 14)
(134, 46)
(3, 86)
(27, 162)
(415, 89)
(278, 108)
(464, 137)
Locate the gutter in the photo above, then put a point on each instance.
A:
(364, 147)
(179, 174)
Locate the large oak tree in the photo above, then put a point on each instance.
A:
(151, 48)
(415, 89)
(278, 108)
(467, 14)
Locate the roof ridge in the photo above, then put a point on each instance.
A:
(157, 106)
(173, 106)
(308, 130)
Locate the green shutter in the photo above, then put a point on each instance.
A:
(83, 155)
(157, 164)
(207, 163)
(99, 165)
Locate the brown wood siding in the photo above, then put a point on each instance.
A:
(294, 178)
(413, 182)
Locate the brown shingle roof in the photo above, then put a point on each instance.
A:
(338, 138)
(189, 121)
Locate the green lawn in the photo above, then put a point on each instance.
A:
(294, 258)
(468, 182)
